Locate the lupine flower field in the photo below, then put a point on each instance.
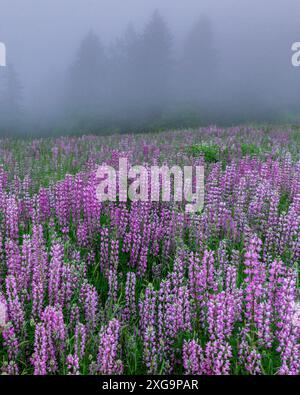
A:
(145, 288)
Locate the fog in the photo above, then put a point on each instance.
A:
(104, 66)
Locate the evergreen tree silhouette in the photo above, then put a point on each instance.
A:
(199, 63)
(87, 90)
(154, 67)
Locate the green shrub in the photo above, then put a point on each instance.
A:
(249, 149)
(211, 153)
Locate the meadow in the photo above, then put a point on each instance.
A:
(139, 287)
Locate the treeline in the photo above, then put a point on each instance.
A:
(138, 83)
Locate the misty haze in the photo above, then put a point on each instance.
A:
(101, 66)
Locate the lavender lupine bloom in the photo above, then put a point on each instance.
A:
(107, 359)
(3, 312)
(143, 260)
(74, 315)
(255, 278)
(82, 234)
(193, 358)
(263, 321)
(11, 342)
(142, 264)
(136, 241)
(91, 206)
(113, 286)
(249, 356)
(114, 254)
(89, 300)
(40, 357)
(55, 274)
(13, 261)
(71, 276)
(208, 272)
(80, 340)
(10, 368)
(183, 307)
(202, 281)
(26, 266)
(50, 336)
(130, 307)
(217, 357)
(104, 254)
(288, 333)
(14, 306)
(11, 213)
(147, 310)
(73, 364)
(39, 271)
(150, 350)
(27, 206)
(194, 276)
(221, 315)
(62, 205)
(119, 219)
(179, 268)
(165, 328)
(43, 204)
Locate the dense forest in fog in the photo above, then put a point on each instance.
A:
(144, 80)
